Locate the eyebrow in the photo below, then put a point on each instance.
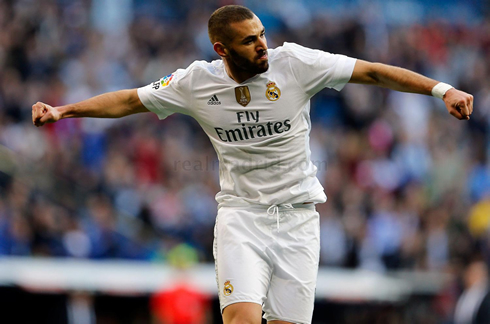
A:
(252, 37)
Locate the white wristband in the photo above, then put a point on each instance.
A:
(440, 89)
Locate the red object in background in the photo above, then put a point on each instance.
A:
(147, 160)
(180, 305)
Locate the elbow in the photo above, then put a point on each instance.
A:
(132, 103)
(373, 74)
(367, 73)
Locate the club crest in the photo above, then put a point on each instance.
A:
(242, 95)
(228, 289)
(273, 92)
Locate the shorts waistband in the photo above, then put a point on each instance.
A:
(310, 206)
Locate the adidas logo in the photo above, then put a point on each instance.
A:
(214, 101)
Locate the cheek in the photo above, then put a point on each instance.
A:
(248, 53)
(244, 55)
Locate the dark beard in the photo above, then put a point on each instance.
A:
(245, 65)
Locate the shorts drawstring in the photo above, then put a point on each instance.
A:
(274, 209)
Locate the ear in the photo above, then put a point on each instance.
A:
(220, 49)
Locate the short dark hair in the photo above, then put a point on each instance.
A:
(220, 20)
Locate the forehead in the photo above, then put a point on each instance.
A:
(246, 28)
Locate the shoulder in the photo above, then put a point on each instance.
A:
(300, 57)
(293, 50)
(187, 77)
(200, 68)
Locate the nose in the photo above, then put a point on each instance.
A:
(262, 44)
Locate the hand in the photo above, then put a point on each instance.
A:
(42, 114)
(459, 103)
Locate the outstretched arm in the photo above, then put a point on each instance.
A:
(108, 105)
(458, 103)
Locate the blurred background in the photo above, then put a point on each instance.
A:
(88, 205)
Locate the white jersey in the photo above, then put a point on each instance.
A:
(259, 128)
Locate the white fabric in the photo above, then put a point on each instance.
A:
(440, 89)
(469, 303)
(263, 148)
(274, 209)
(262, 264)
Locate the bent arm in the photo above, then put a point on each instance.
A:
(458, 103)
(108, 105)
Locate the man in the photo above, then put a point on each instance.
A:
(473, 306)
(254, 106)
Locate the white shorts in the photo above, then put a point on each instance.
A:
(257, 262)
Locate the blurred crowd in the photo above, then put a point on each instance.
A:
(408, 185)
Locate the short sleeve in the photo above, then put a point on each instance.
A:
(167, 95)
(315, 69)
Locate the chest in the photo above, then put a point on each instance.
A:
(263, 101)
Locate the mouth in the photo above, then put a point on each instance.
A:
(263, 57)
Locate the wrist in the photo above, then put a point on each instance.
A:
(440, 89)
(63, 111)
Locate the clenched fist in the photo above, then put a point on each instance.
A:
(459, 103)
(42, 114)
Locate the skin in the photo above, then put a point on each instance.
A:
(246, 54)
(476, 274)
(108, 105)
(244, 57)
(458, 103)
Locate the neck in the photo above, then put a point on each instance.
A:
(236, 73)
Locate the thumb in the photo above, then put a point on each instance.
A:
(457, 113)
(51, 115)
(46, 117)
(38, 110)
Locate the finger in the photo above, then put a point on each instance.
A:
(45, 118)
(456, 114)
(34, 114)
(463, 108)
(37, 122)
(38, 110)
(470, 105)
(34, 110)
